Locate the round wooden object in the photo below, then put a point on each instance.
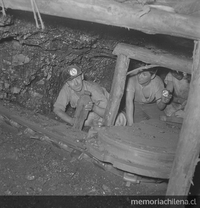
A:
(147, 148)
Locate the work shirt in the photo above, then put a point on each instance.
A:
(181, 87)
(99, 95)
(146, 94)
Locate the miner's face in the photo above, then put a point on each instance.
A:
(144, 78)
(76, 84)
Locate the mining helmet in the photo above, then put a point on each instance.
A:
(71, 72)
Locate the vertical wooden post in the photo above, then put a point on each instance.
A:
(117, 89)
(188, 149)
(80, 113)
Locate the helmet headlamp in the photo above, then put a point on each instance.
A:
(73, 72)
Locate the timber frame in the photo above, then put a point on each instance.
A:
(109, 12)
(126, 52)
(187, 153)
(151, 21)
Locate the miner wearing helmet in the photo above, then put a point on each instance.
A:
(178, 84)
(145, 88)
(74, 87)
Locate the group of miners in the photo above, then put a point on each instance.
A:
(169, 94)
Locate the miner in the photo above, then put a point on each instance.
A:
(75, 86)
(142, 88)
(178, 84)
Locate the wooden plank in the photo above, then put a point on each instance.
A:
(117, 89)
(154, 57)
(187, 153)
(59, 134)
(138, 17)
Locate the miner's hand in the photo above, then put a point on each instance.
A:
(166, 96)
(89, 106)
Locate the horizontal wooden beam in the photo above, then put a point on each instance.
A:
(137, 17)
(156, 57)
(58, 134)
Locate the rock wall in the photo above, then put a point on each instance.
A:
(31, 59)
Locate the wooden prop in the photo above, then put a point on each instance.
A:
(81, 114)
(136, 16)
(57, 134)
(187, 153)
(154, 57)
(117, 89)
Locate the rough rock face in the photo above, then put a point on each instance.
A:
(32, 59)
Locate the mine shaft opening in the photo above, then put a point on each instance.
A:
(41, 86)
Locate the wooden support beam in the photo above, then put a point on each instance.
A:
(187, 153)
(137, 16)
(117, 89)
(58, 134)
(154, 57)
(124, 53)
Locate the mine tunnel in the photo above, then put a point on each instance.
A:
(43, 155)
